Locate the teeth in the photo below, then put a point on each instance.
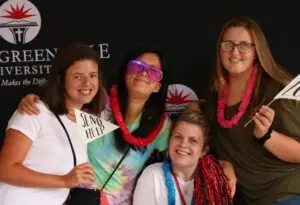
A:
(181, 152)
(234, 60)
(85, 92)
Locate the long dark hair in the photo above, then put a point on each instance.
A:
(155, 105)
(53, 92)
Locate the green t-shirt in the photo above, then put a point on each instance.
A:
(262, 177)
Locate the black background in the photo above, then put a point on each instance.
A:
(186, 30)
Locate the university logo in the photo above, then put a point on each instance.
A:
(20, 21)
(177, 99)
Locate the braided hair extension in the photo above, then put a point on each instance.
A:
(211, 186)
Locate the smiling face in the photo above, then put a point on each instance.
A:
(139, 82)
(186, 145)
(237, 59)
(81, 83)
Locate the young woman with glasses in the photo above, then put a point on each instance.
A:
(265, 153)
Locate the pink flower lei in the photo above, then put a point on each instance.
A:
(222, 100)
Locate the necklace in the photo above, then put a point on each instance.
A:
(169, 174)
(128, 137)
(179, 189)
(222, 100)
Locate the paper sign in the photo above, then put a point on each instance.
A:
(291, 90)
(91, 127)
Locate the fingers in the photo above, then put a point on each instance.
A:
(85, 178)
(85, 174)
(21, 110)
(27, 109)
(85, 165)
(264, 117)
(267, 112)
(28, 105)
(258, 123)
(232, 188)
(263, 120)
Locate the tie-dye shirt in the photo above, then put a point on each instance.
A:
(104, 156)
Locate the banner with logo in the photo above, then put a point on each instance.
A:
(177, 99)
(32, 31)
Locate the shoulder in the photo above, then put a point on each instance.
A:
(153, 170)
(155, 167)
(287, 119)
(43, 107)
(286, 107)
(17, 116)
(291, 107)
(29, 125)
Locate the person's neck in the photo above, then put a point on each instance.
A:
(134, 109)
(71, 109)
(184, 173)
(237, 86)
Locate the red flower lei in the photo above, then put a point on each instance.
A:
(137, 142)
(222, 100)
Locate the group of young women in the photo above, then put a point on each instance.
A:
(207, 151)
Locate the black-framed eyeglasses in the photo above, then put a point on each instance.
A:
(243, 47)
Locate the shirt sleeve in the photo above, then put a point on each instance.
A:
(287, 118)
(144, 192)
(26, 124)
(163, 137)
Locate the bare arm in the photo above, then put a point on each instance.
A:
(12, 171)
(230, 175)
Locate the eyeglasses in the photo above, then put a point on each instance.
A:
(137, 66)
(243, 47)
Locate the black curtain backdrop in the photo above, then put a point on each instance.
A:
(185, 30)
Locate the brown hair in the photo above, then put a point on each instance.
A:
(54, 90)
(272, 71)
(196, 118)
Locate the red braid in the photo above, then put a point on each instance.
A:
(211, 186)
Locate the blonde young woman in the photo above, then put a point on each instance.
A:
(189, 175)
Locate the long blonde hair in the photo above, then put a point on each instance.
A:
(276, 75)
